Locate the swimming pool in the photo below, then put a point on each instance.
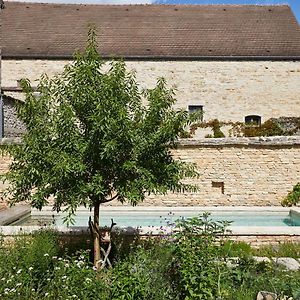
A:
(161, 216)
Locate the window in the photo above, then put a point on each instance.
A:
(195, 108)
(253, 120)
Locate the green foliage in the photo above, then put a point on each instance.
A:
(196, 258)
(293, 197)
(287, 249)
(144, 275)
(24, 263)
(90, 139)
(184, 266)
(272, 127)
(235, 249)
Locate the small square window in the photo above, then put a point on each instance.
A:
(253, 120)
(195, 108)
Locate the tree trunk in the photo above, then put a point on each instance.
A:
(96, 235)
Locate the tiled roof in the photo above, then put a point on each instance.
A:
(150, 31)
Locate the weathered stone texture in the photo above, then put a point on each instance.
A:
(252, 172)
(228, 90)
(13, 127)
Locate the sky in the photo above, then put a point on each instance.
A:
(294, 4)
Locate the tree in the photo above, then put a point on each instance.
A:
(90, 140)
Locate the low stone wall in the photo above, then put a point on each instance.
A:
(232, 171)
(264, 240)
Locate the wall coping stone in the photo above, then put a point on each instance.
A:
(215, 142)
(241, 142)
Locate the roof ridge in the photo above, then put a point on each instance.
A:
(145, 4)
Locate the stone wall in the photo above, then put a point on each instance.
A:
(13, 127)
(233, 171)
(228, 90)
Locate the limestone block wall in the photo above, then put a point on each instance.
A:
(233, 171)
(228, 90)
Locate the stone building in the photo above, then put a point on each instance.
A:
(238, 63)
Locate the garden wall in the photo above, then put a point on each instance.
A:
(233, 171)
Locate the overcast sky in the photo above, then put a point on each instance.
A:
(295, 4)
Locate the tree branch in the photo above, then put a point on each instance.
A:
(108, 200)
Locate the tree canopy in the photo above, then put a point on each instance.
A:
(92, 135)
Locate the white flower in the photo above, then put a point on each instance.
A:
(46, 254)
(81, 257)
(18, 284)
(80, 263)
(30, 268)
(46, 294)
(88, 280)
(59, 258)
(3, 278)
(13, 290)
(67, 265)
(19, 271)
(64, 277)
(57, 268)
(33, 290)
(54, 257)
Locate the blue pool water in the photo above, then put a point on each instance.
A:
(136, 219)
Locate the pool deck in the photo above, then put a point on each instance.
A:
(13, 213)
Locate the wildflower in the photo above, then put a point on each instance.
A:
(94, 268)
(19, 284)
(30, 268)
(81, 257)
(3, 278)
(19, 271)
(13, 290)
(46, 294)
(54, 257)
(80, 263)
(88, 280)
(57, 268)
(59, 258)
(33, 290)
(64, 277)
(46, 254)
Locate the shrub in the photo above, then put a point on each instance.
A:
(293, 197)
(145, 274)
(197, 264)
